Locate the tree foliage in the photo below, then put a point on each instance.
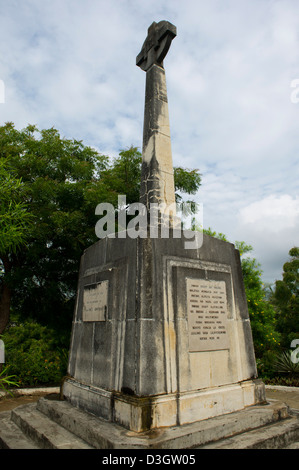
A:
(286, 299)
(57, 178)
(261, 311)
(15, 219)
(36, 354)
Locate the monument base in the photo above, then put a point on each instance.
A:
(57, 424)
(143, 413)
(161, 334)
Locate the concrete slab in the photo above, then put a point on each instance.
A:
(289, 395)
(104, 435)
(46, 434)
(277, 435)
(11, 436)
(55, 424)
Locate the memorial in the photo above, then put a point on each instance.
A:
(161, 353)
(161, 333)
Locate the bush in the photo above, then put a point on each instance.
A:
(262, 314)
(284, 381)
(34, 354)
(279, 368)
(284, 363)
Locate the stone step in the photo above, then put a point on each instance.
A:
(11, 436)
(294, 445)
(98, 433)
(279, 435)
(55, 424)
(104, 435)
(45, 434)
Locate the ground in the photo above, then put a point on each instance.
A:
(8, 403)
(291, 398)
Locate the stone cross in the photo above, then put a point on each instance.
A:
(157, 182)
(156, 45)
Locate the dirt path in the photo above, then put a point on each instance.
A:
(9, 403)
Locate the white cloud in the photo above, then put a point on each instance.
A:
(273, 213)
(272, 226)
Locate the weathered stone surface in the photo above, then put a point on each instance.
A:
(156, 45)
(101, 434)
(157, 182)
(275, 436)
(27, 428)
(142, 349)
(11, 436)
(56, 424)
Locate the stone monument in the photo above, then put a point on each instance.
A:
(161, 334)
(161, 353)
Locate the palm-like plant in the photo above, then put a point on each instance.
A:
(6, 382)
(284, 363)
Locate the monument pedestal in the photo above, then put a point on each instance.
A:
(161, 334)
(140, 414)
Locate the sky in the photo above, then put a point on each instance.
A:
(233, 94)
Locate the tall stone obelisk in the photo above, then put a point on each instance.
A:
(157, 182)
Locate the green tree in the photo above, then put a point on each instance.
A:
(62, 183)
(15, 225)
(15, 220)
(121, 176)
(188, 182)
(212, 233)
(262, 314)
(285, 298)
(35, 354)
(58, 177)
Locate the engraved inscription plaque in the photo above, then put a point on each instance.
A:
(95, 301)
(207, 315)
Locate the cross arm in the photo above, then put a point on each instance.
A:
(156, 45)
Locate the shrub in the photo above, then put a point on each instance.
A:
(262, 314)
(284, 381)
(284, 364)
(279, 368)
(34, 354)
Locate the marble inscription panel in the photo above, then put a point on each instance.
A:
(207, 315)
(95, 301)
